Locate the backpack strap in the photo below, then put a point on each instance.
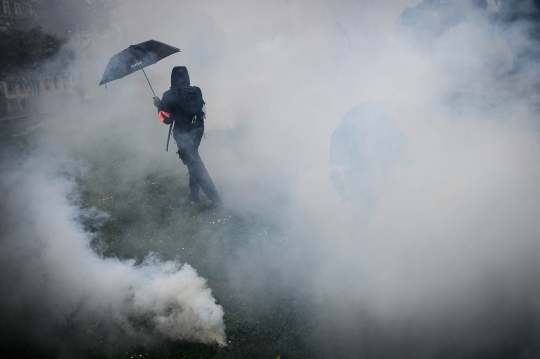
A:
(169, 137)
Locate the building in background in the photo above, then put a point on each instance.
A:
(16, 8)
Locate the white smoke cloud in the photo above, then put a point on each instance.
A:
(46, 245)
(459, 212)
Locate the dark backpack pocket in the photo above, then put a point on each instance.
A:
(192, 103)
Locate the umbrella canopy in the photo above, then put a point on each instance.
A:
(136, 57)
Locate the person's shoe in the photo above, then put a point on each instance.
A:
(216, 204)
(194, 199)
(190, 200)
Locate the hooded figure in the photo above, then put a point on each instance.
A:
(366, 144)
(179, 77)
(519, 24)
(188, 131)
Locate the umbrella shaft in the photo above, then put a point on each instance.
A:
(148, 82)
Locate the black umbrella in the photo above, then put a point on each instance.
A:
(136, 57)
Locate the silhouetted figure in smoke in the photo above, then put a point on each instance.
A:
(362, 149)
(519, 23)
(176, 105)
(437, 17)
(423, 22)
(434, 22)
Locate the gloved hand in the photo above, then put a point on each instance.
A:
(157, 101)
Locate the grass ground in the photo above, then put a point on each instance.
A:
(264, 323)
(241, 254)
(263, 319)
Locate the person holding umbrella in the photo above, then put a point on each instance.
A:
(183, 106)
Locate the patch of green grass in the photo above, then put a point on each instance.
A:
(147, 216)
(240, 253)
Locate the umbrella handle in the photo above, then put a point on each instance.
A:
(149, 82)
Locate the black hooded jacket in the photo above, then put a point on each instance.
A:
(170, 102)
(179, 77)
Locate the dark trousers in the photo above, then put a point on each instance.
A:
(188, 149)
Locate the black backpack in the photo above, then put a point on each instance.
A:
(191, 103)
(188, 101)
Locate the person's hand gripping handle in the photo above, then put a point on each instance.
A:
(157, 102)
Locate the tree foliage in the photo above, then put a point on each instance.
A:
(80, 21)
(29, 55)
(32, 48)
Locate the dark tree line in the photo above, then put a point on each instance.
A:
(29, 55)
(36, 47)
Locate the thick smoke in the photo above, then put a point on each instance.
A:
(52, 269)
(443, 264)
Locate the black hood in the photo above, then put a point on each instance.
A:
(179, 77)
